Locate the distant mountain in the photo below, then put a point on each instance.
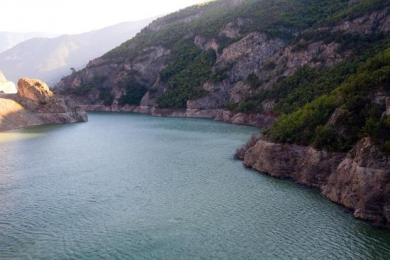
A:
(11, 39)
(51, 58)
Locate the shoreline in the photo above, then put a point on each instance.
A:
(253, 119)
(351, 180)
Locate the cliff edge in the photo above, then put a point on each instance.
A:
(359, 179)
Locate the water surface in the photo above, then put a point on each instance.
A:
(126, 186)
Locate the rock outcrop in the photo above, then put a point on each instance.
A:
(358, 180)
(35, 104)
(362, 182)
(35, 91)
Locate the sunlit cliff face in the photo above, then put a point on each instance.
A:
(6, 86)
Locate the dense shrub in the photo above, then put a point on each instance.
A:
(184, 83)
(362, 116)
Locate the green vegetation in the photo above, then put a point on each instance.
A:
(298, 89)
(188, 66)
(185, 76)
(360, 8)
(253, 81)
(106, 97)
(134, 92)
(278, 18)
(358, 113)
(329, 106)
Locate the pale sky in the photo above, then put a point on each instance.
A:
(77, 16)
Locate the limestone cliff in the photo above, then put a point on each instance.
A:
(223, 53)
(358, 180)
(35, 104)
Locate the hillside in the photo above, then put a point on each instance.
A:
(51, 58)
(260, 56)
(316, 73)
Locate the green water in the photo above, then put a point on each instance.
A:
(125, 186)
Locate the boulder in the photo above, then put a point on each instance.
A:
(35, 104)
(34, 90)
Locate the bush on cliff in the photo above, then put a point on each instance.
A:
(362, 114)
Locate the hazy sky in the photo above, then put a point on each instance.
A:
(76, 16)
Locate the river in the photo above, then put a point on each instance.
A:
(128, 186)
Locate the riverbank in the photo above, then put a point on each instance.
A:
(358, 180)
(256, 120)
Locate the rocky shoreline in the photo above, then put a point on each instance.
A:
(257, 120)
(358, 180)
(34, 105)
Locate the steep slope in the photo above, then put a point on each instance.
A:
(202, 57)
(314, 72)
(51, 58)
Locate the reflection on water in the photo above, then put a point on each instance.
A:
(125, 186)
(27, 133)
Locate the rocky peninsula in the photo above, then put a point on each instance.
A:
(35, 104)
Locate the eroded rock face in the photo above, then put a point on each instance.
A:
(104, 75)
(362, 182)
(34, 90)
(358, 180)
(35, 104)
(305, 165)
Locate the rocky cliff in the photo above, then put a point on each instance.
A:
(358, 180)
(180, 62)
(35, 104)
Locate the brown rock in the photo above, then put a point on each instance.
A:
(358, 180)
(361, 182)
(305, 165)
(34, 90)
(35, 104)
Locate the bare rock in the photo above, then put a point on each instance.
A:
(358, 180)
(34, 90)
(35, 104)
(361, 182)
(305, 165)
